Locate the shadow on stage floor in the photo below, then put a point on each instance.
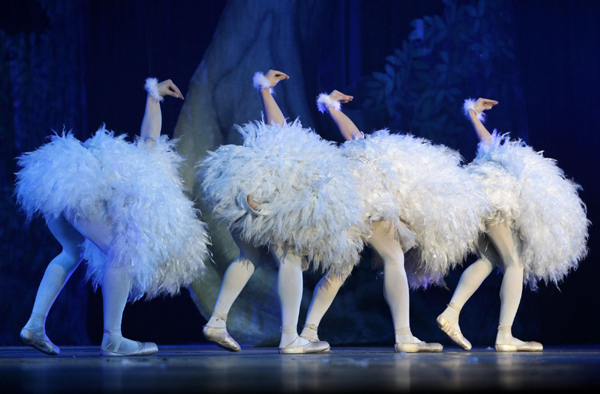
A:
(208, 369)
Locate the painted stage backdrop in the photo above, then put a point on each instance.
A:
(410, 64)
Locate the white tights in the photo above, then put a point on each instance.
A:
(395, 285)
(115, 285)
(512, 282)
(289, 288)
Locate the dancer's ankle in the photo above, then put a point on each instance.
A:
(290, 338)
(310, 332)
(217, 320)
(36, 323)
(113, 341)
(404, 335)
(452, 313)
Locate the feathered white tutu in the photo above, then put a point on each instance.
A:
(418, 186)
(309, 201)
(133, 188)
(531, 193)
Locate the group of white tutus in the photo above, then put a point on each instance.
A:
(322, 200)
(316, 199)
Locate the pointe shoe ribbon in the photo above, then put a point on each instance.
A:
(38, 342)
(312, 333)
(310, 347)
(415, 346)
(448, 328)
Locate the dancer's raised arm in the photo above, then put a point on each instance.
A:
(332, 103)
(152, 122)
(474, 111)
(265, 85)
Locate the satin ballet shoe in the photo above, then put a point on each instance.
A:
(38, 342)
(415, 347)
(525, 347)
(453, 333)
(143, 349)
(312, 333)
(310, 347)
(220, 337)
(420, 347)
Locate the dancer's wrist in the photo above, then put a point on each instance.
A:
(326, 103)
(151, 87)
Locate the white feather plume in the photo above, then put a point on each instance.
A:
(543, 207)
(309, 201)
(152, 89)
(324, 102)
(136, 189)
(418, 185)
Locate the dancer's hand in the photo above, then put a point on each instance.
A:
(483, 104)
(252, 202)
(168, 88)
(275, 76)
(341, 97)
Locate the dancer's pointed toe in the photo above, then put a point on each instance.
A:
(453, 333)
(220, 337)
(38, 342)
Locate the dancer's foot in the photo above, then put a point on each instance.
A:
(304, 346)
(407, 343)
(115, 345)
(448, 322)
(505, 342)
(310, 332)
(220, 337)
(34, 335)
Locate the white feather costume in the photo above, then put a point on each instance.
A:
(421, 190)
(309, 201)
(133, 188)
(529, 191)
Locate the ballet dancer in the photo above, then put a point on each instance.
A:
(416, 197)
(537, 229)
(121, 205)
(284, 188)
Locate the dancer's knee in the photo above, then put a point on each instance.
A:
(69, 258)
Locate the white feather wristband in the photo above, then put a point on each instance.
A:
(470, 105)
(261, 82)
(152, 89)
(324, 102)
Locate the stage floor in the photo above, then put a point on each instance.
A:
(208, 369)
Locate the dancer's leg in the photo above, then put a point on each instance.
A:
(56, 276)
(323, 296)
(470, 280)
(235, 279)
(237, 275)
(289, 288)
(115, 290)
(395, 283)
(511, 289)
